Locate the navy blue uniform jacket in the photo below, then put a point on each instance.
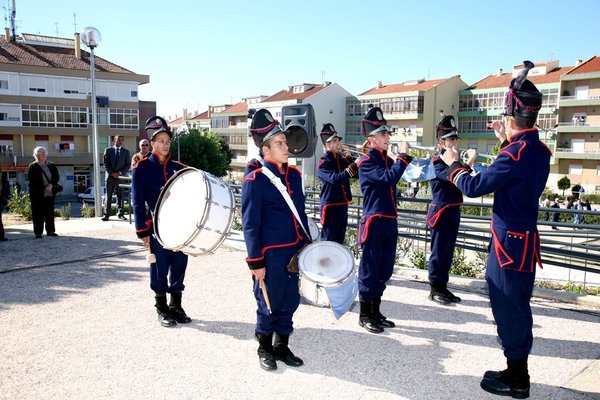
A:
(517, 177)
(336, 182)
(147, 179)
(443, 192)
(378, 175)
(267, 220)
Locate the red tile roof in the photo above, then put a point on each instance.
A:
(240, 108)
(591, 65)
(203, 115)
(403, 87)
(290, 95)
(19, 53)
(502, 81)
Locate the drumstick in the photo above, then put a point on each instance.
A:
(150, 258)
(263, 287)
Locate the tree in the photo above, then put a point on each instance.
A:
(203, 150)
(563, 184)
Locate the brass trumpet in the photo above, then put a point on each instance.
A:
(354, 149)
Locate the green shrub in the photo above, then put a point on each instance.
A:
(417, 258)
(65, 212)
(19, 203)
(88, 211)
(461, 266)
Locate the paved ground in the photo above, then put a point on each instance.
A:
(77, 322)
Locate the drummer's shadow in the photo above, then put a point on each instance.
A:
(375, 361)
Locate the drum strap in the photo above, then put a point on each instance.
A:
(281, 188)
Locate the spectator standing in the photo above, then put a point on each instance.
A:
(117, 162)
(42, 175)
(143, 153)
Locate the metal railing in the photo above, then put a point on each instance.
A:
(571, 246)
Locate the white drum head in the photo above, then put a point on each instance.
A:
(326, 263)
(176, 221)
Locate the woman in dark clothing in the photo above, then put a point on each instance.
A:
(4, 196)
(42, 177)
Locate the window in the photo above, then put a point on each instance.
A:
(134, 93)
(123, 118)
(598, 170)
(37, 89)
(53, 116)
(575, 169)
(3, 84)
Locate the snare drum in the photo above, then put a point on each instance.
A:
(313, 230)
(194, 212)
(323, 265)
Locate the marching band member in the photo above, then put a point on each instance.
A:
(443, 217)
(517, 177)
(335, 171)
(378, 228)
(148, 177)
(273, 237)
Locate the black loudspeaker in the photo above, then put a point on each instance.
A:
(299, 124)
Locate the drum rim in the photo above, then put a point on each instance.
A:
(185, 248)
(336, 283)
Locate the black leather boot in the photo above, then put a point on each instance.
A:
(513, 381)
(164, 317)
(378, 316)
(282, 352)
(265, 352)
(366, 320)
(177, 313)
(441, 295)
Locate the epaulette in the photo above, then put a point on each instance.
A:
(362, 159)
(252, 175)
(513, 150)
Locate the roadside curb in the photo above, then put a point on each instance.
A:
(480, 285)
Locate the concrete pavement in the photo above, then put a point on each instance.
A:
(77, 322)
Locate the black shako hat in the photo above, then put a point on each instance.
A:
(263, 126)
(157, 125)
(446, 128)
(523, 98)
(328, 132)
(373, 122)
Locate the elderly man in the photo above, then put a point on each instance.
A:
(143, 153)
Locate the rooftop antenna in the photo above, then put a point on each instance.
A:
(13, 15)
(56, 28)
(322, 77)
(75, 22)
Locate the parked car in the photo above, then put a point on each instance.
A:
(89, 195)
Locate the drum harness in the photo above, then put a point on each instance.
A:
(282, 189)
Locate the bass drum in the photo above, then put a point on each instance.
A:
(323, 265)
(194, 212)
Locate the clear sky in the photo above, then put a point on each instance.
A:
(200, 52)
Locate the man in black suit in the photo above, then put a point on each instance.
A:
(117, 161)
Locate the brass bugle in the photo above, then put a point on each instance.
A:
(353, 149)
(430, 149)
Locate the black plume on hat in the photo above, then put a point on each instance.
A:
(263, 126)
(328, 132)
(523, 98)
(157, 125)
(446, 128)
(373, 122)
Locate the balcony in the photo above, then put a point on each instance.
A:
(578, 154)
(569, 127)
(578, 101)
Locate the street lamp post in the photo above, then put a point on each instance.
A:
(91, 38)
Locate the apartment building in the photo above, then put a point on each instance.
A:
(412, 108)
(569, 121)
(328, 101)
(45, 100)
(577, 143)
